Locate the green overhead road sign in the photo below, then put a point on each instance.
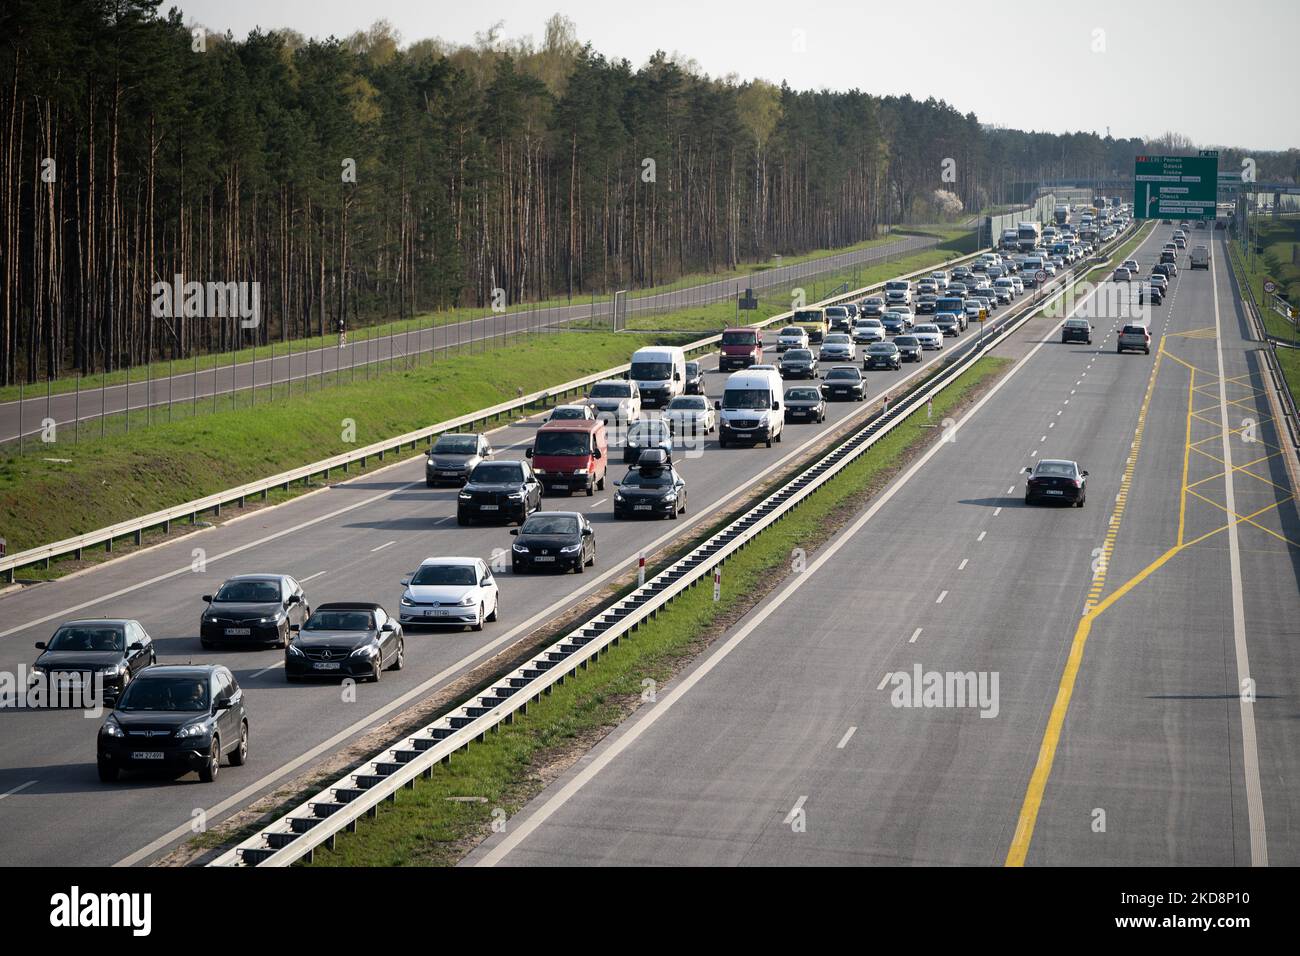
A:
(1175, 187)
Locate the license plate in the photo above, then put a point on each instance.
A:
(1055, 491)
(489, 507)
(640, 507)
(438, 612)
(544, 557)
(326, 665)
(449, 474)
(559, 484)
(147, 755)
(238, 631)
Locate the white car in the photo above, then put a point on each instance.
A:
(564, 413)
(1018, 284)
(1132, 266)
(930, 336)
(1049, 268)
(690, 415)
(616, 400)
(867, 331)
(940, 278)
(455, 591)
(792, 337)
(647, 433)
(838, 347)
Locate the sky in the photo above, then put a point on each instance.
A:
(1222, 73)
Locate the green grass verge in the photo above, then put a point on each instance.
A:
(425, 320)
(434, 823)
(1279, 238)
(124, 475)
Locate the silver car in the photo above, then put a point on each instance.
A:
(453, 457)
(868, 331)
(838, 347)
(929, 335)
(616, 400)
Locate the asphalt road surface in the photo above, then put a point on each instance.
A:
(1122, 636)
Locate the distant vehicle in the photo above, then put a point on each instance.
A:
(814, 320)
(751, 408)
(1061, 214)
(940, 279)
(798, 363)
(175, 717)
(844, 382)
(838, 317)
(1151, 292)
(925, 305)
(887, 354)
(499, 490)
(1159, 280)
(253, 609)
(949, 323)
(875, 305)
(929, 336)
(1169, 255)
(1031, 235)
(616, 400)
(741, 347)
(893, 323)
(356, 639)
(112, 651)
(451, 591)
(571, 413)
(1180, 242)
(648, 433)
(690, 415)
(553, 540)
(898, 292)
(1056, 480)
(652, 488)
(1200, 258)
(660, 370)
(1076, 330)
(1010, 240)
(694, 378)
(804, 404)
(1132, 266)
(792, 337)
(908, 349)
(867, 331)
(1132, 338)
(838, 347)
(454, 455)
(1121, 275)
(570, 455)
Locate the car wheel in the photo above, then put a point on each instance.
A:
(496, 609)
(769, 441)
(428, 483)
(462, 520)
(600, 483)
(284, 637)
(1028, 500)
(516, 567)
(478, 625)
(400, 661)
(378, 673)
(212, 766)
(239, 756)
(107, 771)
(580, 565)
(722, 442)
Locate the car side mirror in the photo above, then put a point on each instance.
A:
(40, 645)
(388, 627)
(487, 452)
(225, 704)
(514, 532)
(295, 628)
(717, 406)
(587, 532)
(1084, 473)
(207, 597)
(528, 453)
(597, 454)
(293, 599)
(617, 483)
(677, 376)
(406, 582)
(1028, 471)
(776, 406)
(136, 646)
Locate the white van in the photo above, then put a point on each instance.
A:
(659, 372)
(750, 410)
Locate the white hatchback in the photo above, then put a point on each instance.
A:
(450, 591)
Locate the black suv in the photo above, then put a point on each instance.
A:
(499, 490)
(178, 717)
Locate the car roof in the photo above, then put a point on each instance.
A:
(350, 606)
(1058, 461)
(177, 670)
(573, 425)
(446, 561)
(100, 622)
(256, 577)
(563, 514)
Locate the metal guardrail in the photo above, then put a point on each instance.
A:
(317, 821)
(190, 510)
(1274, 367)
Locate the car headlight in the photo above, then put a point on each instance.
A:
(366, 651)
(671, 496)
(618, 496)
(113, 670)
(515, 495)
(37, 671)
(579, 471)
(113, 729)
(469, 600)
(406, 601)
(571, 549)
(464, 496)
(521, 548)
(294, 651)
(196, 729)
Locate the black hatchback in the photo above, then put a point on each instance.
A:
(175, 718)
(844, 383)
(554, 541)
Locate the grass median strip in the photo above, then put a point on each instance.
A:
(442, 818)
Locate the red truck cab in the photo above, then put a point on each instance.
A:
(741, 347)
(570, 455)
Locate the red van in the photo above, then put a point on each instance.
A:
(741, 348)
(570, 455)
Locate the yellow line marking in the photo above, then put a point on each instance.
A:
(1187, 452)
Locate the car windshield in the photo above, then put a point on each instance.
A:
(802, 395)
(648, 478)
(791, 331)
(693, 402)
(1055, 469)
(739, 338)
(804, 315)
(649, 429)
(653, 371)
(550, 524)
(87, 638)
(798, 355)
(692, 369)
(568, 413)
(434, 574)
(836, 311)
(1077, 323)
(249, 592)
(497, 473)
(456, 445)
(746, 398)
(927, 328)
(329, 620)
(842, 373)
(839, 338)
(562, 443)
(188, 694)
(611, 390)
(901, 340)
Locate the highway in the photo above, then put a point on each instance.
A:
(1112, 643)
(360, 353)
(354, 540)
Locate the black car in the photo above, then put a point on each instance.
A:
(894, 323)
(872, 307)
(1150, 292)
(1167, 269)
(845, 382)
(83, 653)
(346, 639)
(499, 491)
(890, 354)
(175, 718)
(652, 488)
(554, 540)
(453, 456)
(694, 384)
(926, 304)
(1077, 330)
(949, 323)
(253, 609)
(797, 363)
(804, 404)
(1056, 480)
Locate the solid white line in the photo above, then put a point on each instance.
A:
(942, 595)
(597, 504)
(311, 577)
(267, 670)
(21, 786)
(597, 763)
(910, 640)
(981, 537)
(1249, 746)
(382, 546)
(848, 735)
(884, 680)
(798, 805)
(964, 562)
